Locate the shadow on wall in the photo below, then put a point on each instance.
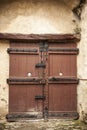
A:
(41, 16)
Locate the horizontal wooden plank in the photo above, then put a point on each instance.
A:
(64, 80)
(23, 116)
(61, 114)
(32, 81)
(69, 51)
(38, 115)
(22, 51)
(26, 83)
(49, 37)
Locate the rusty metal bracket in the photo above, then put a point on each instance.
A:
(25, 81)
(65, 50)
(39, 97)
(17, 50)
(40, 65)
(63, 80)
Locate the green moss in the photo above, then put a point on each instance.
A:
(79, 123)
(2, 126)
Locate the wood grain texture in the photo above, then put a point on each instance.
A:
(53, 76)
(38, 37)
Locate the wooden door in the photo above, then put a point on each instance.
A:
(42, 80)
(62, 80)
(25, 81)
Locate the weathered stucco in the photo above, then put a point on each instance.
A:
(42, 16)
(4, 73)
(82, 66)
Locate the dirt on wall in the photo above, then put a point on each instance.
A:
(41, 16)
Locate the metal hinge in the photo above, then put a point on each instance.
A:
(39, 97)
(18, 50)
(40, 65)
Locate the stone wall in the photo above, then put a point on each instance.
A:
(42, 16)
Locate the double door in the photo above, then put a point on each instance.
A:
(42, 80)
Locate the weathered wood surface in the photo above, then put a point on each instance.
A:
(49, 37)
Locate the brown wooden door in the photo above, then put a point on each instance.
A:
(25, 81)
(43, 79)
(62, 80)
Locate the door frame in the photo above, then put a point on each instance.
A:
(59, 38)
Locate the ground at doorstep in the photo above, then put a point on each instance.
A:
(51, 124)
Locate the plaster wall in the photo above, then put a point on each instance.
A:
(82, 66)
(31, 16)
(4, 73)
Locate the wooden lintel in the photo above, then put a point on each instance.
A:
(39, 37)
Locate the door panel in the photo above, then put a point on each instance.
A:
(63, 97)
(62, 65)
(23, 64)
(22, 98)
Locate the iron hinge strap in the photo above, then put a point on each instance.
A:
(25, 81)
(16, 50)
(73, 50)
(39, 97)
(64, 80)
(40, 65)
